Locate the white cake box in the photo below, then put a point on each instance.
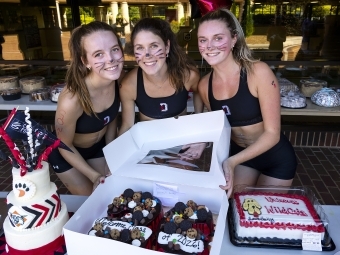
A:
(123, 155)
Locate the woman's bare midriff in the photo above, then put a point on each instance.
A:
(143, 117)
(247, 135)
(87, 140)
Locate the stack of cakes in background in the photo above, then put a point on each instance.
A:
(36, 214)
(29, 84)
(9, 88)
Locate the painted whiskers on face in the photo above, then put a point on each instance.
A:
(101, 65)
(222, 47)
(160, 54)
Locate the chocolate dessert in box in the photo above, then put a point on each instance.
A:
(187, 228)
(131, 218)
(131, 159)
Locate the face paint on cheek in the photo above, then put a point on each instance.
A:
(222, 47)
(160, 53)
(201, 49)
(99, 65)
(121, 60)
(138, 57)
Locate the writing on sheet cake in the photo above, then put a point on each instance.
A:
(281, 200)
(283, 210)
(186, 244)
(264, 219)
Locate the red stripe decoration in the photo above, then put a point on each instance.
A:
(45, 214)
(47, 249)
(57, 198)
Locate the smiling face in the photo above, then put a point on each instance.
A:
(103, 55)
(150, 51)
(215, 41)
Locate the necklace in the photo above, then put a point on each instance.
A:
(159, 86)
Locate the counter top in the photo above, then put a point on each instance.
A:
(310, 110)
(332, 212)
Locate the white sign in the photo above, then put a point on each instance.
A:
(168, 194)
(311, 241)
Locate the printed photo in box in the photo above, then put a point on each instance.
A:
(172, 157)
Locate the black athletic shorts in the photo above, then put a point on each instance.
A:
(59, 164)
(278, 162)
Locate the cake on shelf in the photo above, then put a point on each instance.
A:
(310, 86)
(293, 99)
(38, 95)
(8, 82)
(11, 94)
(36, 214)
(55, 92)
(29, 84)
(277, 218)
(132, 218)
(186, 229)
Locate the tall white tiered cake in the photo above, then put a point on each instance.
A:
(36, 215)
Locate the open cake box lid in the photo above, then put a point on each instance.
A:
(125, 153)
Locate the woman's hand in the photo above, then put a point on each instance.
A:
(228, 169)
(100, 179)
(192, 151)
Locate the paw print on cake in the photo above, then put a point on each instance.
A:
(23, 188)
(251, 206)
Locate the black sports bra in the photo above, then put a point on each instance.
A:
(241, 110)
(90, 124)
(162, 107)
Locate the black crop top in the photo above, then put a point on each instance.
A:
(90, 124)
(162, 107)
(241, 110)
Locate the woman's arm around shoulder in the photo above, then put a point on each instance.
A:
(203, 90)
(128, 95)
(192, 84)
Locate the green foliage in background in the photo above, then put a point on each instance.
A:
(249, 25)
(86, 14)
(174, 26)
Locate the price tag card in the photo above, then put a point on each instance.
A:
(311, 241)
(168, 194)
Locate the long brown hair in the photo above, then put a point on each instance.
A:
(76, 73)
(241, 52)
(179, 64)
